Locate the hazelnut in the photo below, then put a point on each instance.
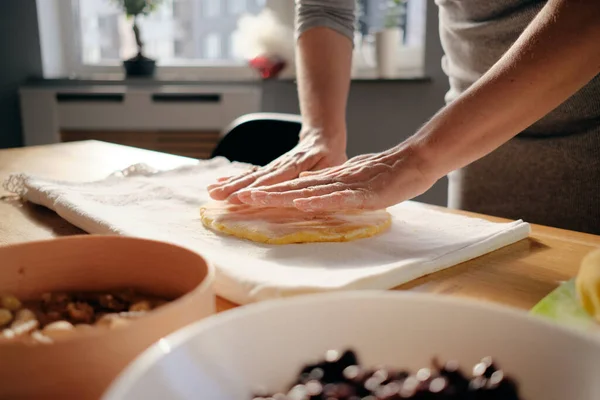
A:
(143, 305)
(10, 302)
(80, 312)
(5, 316)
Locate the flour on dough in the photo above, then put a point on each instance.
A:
(289, 225)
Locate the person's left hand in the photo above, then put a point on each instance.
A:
(371, 181)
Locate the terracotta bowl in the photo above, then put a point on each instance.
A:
(83, 366)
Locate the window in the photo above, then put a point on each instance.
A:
(179, 31)
(407, 16)
(211, 8)
(233, 40)
(235, 7)
(212, 46)
(190, 38)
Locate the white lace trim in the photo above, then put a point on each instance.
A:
(16, 184)
(135, 170)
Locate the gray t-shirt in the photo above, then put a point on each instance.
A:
(474, 35)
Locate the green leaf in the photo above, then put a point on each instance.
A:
(133, 8)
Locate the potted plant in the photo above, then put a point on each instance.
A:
(388, 40)
(139, 65)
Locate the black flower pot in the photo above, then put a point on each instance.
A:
(139, 66)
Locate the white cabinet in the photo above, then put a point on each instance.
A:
(162, 117)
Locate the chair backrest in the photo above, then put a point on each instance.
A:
(260, 138)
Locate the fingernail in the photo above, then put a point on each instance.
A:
(244, 197)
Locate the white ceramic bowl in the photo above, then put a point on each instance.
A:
(226, 356)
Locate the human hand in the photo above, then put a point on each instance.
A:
(370, 181)
(314, 151)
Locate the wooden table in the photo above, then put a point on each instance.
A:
(518, 275)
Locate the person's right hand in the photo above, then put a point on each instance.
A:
(315, 151)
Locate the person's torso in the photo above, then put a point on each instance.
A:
(476, 33)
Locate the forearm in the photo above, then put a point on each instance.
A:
(556, 55)
(324, 57)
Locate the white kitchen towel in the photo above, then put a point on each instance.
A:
(164, 205)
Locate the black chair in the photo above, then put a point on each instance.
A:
(259, 138)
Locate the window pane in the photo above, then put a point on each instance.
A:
(178, 30)
(212, 8)
(236, 6)
(212, 46)
(409, 16)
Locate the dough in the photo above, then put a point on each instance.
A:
(587, 283)
(289, 225)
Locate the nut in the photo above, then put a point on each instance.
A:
(24, 327)
(10, 302)
(143, 305)
(110, 302)
(106, 320)
(59, 329)
(80, 312)
(55, 301)
(126, 295)
(39, 337)
(22, 316)
(58, 326)
(8, 334)
(49, 317)
(5, 316)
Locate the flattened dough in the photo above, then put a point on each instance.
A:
(289, 225)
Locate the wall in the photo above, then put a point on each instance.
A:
(383, 113)
(21, 58)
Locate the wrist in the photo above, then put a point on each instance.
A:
(420, 155)
(329, 136)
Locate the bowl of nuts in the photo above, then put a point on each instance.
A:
(75, 311)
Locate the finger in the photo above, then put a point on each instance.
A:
(233, 199)
(286, 199)
(343, 200)
(224, 191)
(281, 175)
(221, 181)
(285, 173)
(295, 184)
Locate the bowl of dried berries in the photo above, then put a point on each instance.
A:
(366, 345)
(75, 311)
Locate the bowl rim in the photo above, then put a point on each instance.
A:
(92, 334)
(142, 363)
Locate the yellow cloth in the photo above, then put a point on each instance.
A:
(289, 225)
